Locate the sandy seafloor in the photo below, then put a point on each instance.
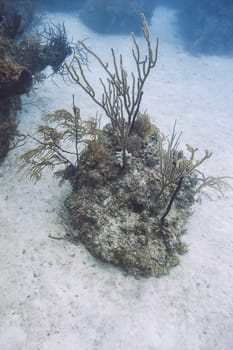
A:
(55, 295)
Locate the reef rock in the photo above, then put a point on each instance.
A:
(117, 214)
(14, 79)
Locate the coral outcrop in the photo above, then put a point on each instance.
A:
(132, 187)
(117, 215)
(15, 79)
(8, 108)
(23, 55)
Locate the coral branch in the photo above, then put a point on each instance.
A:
(121, 98)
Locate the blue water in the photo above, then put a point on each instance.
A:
(204, 26)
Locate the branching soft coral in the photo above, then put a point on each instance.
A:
(60, 144)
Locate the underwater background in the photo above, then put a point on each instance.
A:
(55, 295)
